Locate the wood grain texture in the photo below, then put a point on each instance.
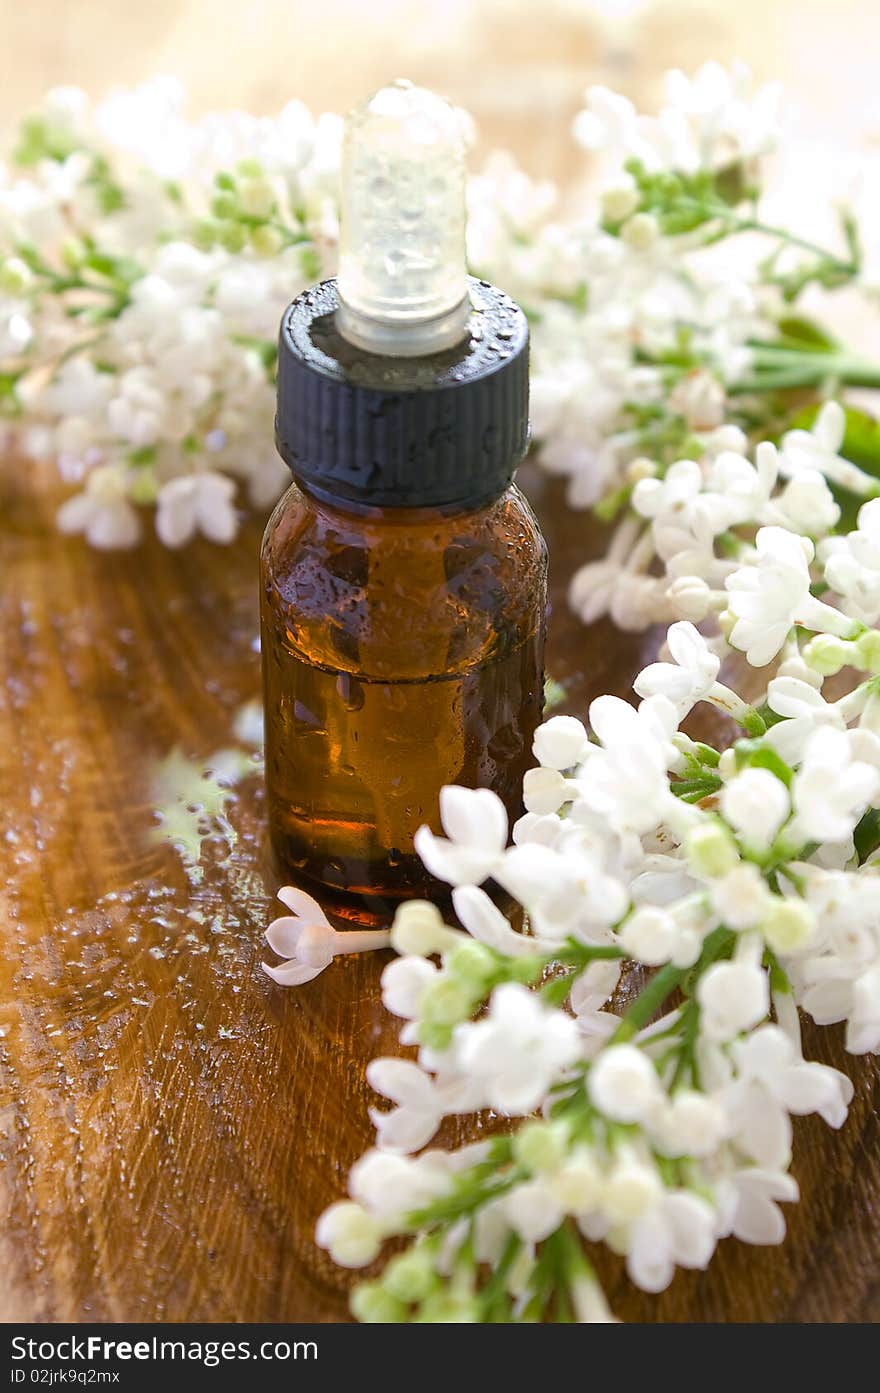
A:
(171, 1123)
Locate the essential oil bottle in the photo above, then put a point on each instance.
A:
(403, 573)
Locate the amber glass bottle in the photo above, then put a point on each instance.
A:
(403, 574)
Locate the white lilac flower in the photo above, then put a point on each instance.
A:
(733, 997)
(738, 491)
(566, 888)
(546, 790)
(863, 1026)
(741, 897)
(308, 942)
(818, 450)
(689, 677)
(351, 1235)
(733, 122)
(767, 597)
(532, 1211)
(804, 709)
(389, 1186)
(627, 778)
(852, 568)
(632, 1187)
(517, 1050)
(831, 790)
(475, 823)
(653, 934)
(673, 495)
(418, 929)
(594, 987)
(103, 511)
(805, 505)
(751, 1198)
(772, 1081)
(577, 1183)
(710, 120)
(422, 1103)
(700, 398)
(764, 598)
(689, 597)
(404, 983)
(623, 1084)
(756, 804)
(197, 503)
(681, 1230)
(560, 742)
(689, 1124)
(485, 922)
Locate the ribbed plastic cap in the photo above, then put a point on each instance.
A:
(403, 432)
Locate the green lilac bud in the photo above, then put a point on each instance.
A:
(446, 1001)
(526, 969)
(15, 276)
(445, 1309)
(411, 1276)
(224, 205)
(541, 1146)
(419, 930)
(472, 964)
(640, 231)
(827, 654)
(373, 1305)
(233, 237)
(788, 926)
(249, 168)
(257, 197)
(73, 253)
(266, 241)
(711, 850)
(435, 1037)
(618, 203)
(205, 233)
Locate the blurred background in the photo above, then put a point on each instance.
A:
(520, 66)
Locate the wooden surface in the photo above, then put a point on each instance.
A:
(171, 1123)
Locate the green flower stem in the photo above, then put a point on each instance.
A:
(714, 208)
(813, 370)
(649, 1000)
(578, 957)
(493, 1297)
(665, 982)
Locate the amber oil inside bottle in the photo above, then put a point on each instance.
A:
(402, 650)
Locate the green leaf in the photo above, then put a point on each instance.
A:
(867, 835)
(797, 331)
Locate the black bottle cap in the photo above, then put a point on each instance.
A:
(403, 432)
